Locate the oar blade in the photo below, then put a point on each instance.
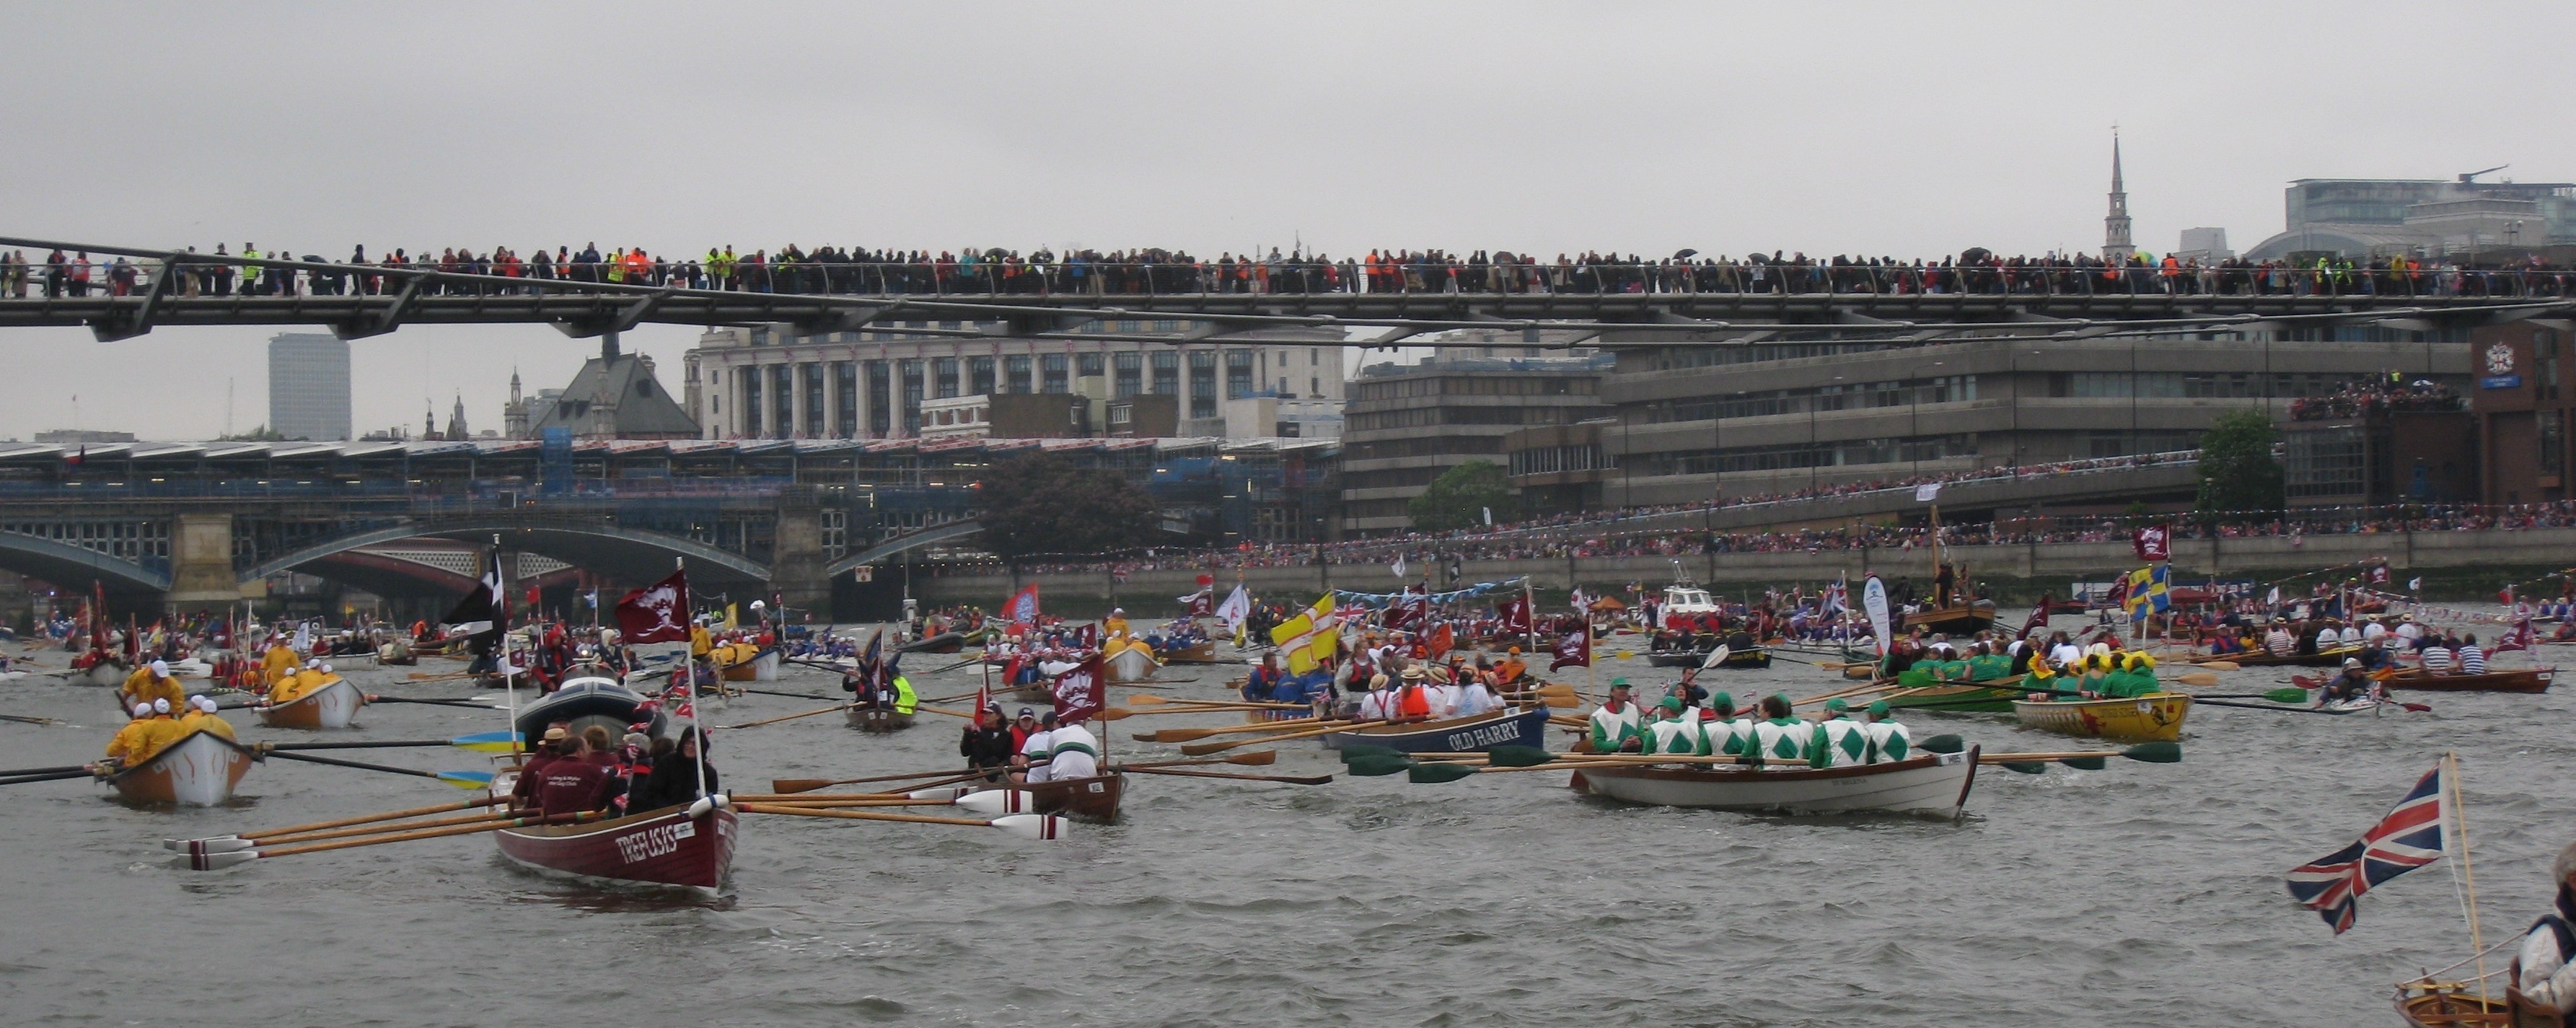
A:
(1032, 826)
(1146, 700)
(1113, 713)
(488, 742)
(1256, 758)
(1177, 734)
(797, 784)
(213, 861)
(1943, 744)
(1438, 772)
(2155, 752)
(998, 801)
(2087, 763)
(226, 844)
(1519, 756)
(1355, 751)
(2199, 678)
(942, 795)
(465, 779)
(1379, 767)
(2219, 665)
(2287, 695)
(2023, 767)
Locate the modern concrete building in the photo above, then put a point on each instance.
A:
(1700, 420)
(2523, 399)
(308, 386)
(770, 382)
(1408, 423)
(2430, 218)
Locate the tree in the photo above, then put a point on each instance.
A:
(1041, 503)
(1460, 497)
(2240, 480)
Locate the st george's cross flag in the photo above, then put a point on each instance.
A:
(2411, 836)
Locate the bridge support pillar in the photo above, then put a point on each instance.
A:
(201, 562)
(797, 565)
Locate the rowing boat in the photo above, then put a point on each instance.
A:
(199, 770)
(685, 847)
(1204, 652)
(878, 719)
(1517, 727)
(1095, 797)
(584, 702)
(2328, 658)
(2450, 1005)
(1132, 664)
(1934, 783)
(761, 668)
(1964, 698)
(2148, 718)
(1957, 620)
(334, 705)
(1039, 693)
(2527, 680)
(1737, 660)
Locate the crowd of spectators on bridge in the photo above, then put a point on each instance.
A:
(859, 270)
(2377, 397)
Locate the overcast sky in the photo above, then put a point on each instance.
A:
(1903, 130)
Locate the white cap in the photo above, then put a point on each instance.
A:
(292, 668)
(161, 667)
(324, 668)
(143, 710)
(161, 706)
(207, 704)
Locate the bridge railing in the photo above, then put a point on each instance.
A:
(423, 496)
(198, 276)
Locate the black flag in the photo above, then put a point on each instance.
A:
(482, 614)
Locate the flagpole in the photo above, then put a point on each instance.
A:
(681, 564)
(2468, 874)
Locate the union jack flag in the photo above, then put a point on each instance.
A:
(2411, 836)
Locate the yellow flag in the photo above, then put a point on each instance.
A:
(1309, 637)
(730, 620)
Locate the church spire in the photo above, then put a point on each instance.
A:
(2116, 245)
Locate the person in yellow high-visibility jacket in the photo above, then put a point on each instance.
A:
(1115, 624)
(128, 746)
(276, 663)
(201, 717)
(700, 642)
(158, 733)
(153, 682)
(905, 701)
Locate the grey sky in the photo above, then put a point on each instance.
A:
(1901, 130)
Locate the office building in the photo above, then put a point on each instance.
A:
(1406, 424)
(2425, 218)
(308, 386)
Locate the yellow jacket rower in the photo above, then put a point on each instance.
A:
(201, 717)
(153, 682)
(276, 663)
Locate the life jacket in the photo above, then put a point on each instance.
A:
(1413, 701)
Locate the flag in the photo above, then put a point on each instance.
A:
(687, 706)
(1077, 692)
(2274, 598)
(1836, 599)
(2415, 584)
(1516, 616)
(2158, 595)
(480, 615)
(733, 616)
(1022, 606)
(2379, 574)
(2133, 592)
(2153, 543)
(1399, 566)
(1440, 643)
(2412, 835)
(1237, 607)
(1196, 604)
(536, 598)
(1927, 492)
(1582, 604)
(2503, 596)
(1309, 637)
(2038, 614)
(1407, 611)
(657, 613)
(1873, 599)
(1575, 650)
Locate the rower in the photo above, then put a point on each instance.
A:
(2540, 988)
(159, 732)
(1379, 702)
(2279, 640)
(1838, 741)
(1412, 701)
(1039, 747)
(153, 682)
(1675, 731)
(1615, 722)
(2353, 684)
(2437, 659)
(1115, 624)
(1072, 753)
(532, 770)
(2473, 661)
(201, 717)
(1779, 740)
(1509, 670)
(987, 742)
(1727, 733)
(1888, 740)
(1473, 699)
(129, 746)
(279, 660)
(578, 783)
(1987, 665)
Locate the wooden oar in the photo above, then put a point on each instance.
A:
(424, 676)
(24, 771)
(986, 801)
(487, 742)
(810, 784)
(789, 717)
(250, 842)
(2415, 707)
(1026, 826)
(1151, 700)
(468, 704)
(1256, 758)
(51, 776)
(1195, 734)
(2217, 665)
(26, 720)
(1282, 779)
(390, 815)
(774, 692)
(203, 861)
(459, 779)
(2284, 695)
(2199, 678)
(1201, 749)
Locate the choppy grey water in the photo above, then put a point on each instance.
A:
(2143, 894)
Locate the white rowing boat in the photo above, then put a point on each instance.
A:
(1934, 784)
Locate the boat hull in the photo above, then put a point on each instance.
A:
(2534, 680)
(663, 848)
(1095, 798)
(1976, 616)
(1033, 694)
(1203, 653)
(199, 770)
(2156, 717)
(1956, 698)
(2329, 658)
(1747, 660)
(584, 702)
(2447, 1006)
(1934, 784)
(1130, 665)
(868, 719)
(1456, 735)
(329, 707)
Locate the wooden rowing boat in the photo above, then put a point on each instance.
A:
(1202, 653)
(2527, 680)
(2327, 658)
(761, 668)
(334, 705)
(1132, 664)
(1033, 694)
(1934, 784)
(2155, 717)
(199, 770)
(1957, 620)
(682, 847)
(1511, 727)
(1095, 798)
(2450, 1005)
(878, 719)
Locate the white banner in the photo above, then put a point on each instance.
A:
(1873, 600)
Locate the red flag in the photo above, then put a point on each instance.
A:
(1089, 637)
(2038, 614)
(1440, 642)
(2153, 543)
(1202, 604)
(1077, 692)
(1575, 650)
(1022, 606)
(656, 613)
(2379, 574)
(1406, 611)
(1516, 615)
(688, 705)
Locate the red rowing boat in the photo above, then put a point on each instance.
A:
(2526, 680)
(683, 847)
